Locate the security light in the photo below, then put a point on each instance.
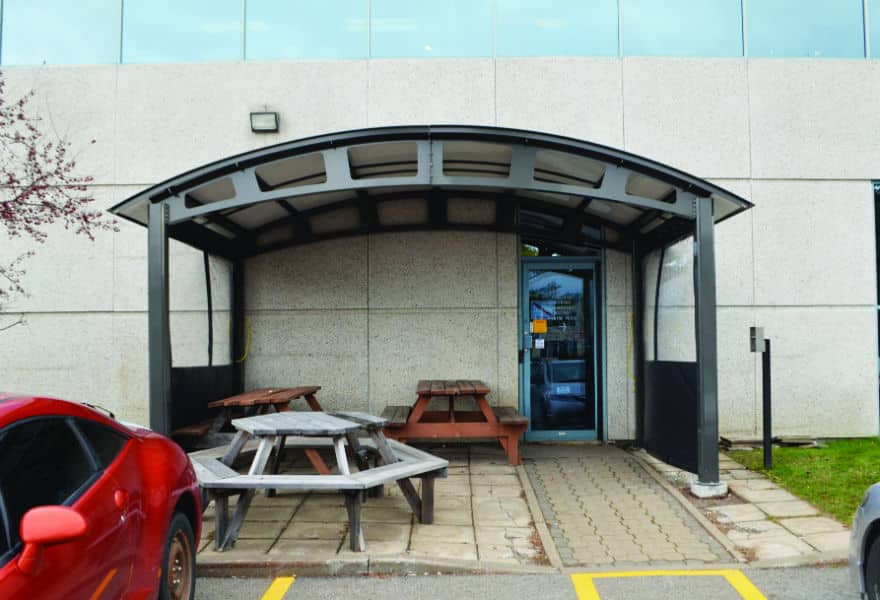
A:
(264, 122)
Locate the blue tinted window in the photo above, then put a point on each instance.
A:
(822, 28)
(681, 27)
(874, 27)
(60, 32)
(556, 28)
(306, 29)
(181, 30)
(407, 28)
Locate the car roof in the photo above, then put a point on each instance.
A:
(16, 407)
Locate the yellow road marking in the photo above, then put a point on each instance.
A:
(278, 588)
(586, 589)
(100, 589)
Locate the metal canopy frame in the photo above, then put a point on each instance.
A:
(557, 191)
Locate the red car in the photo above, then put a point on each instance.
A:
(91, 508)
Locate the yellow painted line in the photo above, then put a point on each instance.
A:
(584, 586)
(100, 589)
(586, 589)
(743, 585)
(278, 588)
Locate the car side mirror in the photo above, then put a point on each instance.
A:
(46, 526)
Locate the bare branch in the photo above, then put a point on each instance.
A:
(11, 325)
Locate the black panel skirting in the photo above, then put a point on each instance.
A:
(192, 388)
(670, 417)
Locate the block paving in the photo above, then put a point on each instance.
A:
(603, 508)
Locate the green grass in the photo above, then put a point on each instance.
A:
(833, 479)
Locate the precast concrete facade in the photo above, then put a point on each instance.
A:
(366, 317)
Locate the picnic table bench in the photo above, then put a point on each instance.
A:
(259, 401)
(400, 462)
(417, 422)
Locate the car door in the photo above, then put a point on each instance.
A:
(47, 461)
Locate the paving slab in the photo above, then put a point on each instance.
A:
(737, 513)
(767, 495)
(794, 508)
(830, 542)
(812, 525)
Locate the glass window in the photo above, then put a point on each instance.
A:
(403, 28)
(104, 441)
(189, 30)
(60, 32)
(821, 28)
(41, 463)
(874, 27)
(681, 27)
(306, 29)
(556, 28)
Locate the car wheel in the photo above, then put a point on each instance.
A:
(179, 561)
(872, 570)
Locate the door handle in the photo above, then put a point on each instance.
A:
(120, 498)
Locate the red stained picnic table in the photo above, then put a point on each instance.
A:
(260, 400)
(417, 422)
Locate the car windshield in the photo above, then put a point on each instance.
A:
(41, 463)
(567, 371)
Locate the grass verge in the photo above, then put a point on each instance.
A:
(833, 478)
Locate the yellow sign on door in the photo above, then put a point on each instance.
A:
(539, 326)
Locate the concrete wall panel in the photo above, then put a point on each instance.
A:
(433, 269)
(506, 390)
(824, 370)
(620, 375)
(160, 106)
(326, 348)
(409, 345)
(508, 250)
(815, 243)
(689, 113)
(77, 104)
(814, 119)
(618, 278)
(734, 252)
(327, 275)
(66, 355)
(577, 97)
(737, 402)
(410, 92)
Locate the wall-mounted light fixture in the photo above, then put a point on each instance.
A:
(264, 122)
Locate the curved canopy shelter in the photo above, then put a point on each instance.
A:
(560, 193)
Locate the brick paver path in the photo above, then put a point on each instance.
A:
(602, 507)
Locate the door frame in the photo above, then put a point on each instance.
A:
(597, 264)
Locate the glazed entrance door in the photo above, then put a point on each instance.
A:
(558, 349)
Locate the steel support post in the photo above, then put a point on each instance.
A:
(159, 328)
(709, 483)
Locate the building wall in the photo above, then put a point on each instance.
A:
(367, 317)
(795, 136)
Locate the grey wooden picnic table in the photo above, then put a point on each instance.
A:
(317, 428)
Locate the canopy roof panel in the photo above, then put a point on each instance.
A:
(550, 189)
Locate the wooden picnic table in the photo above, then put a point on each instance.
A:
(417, 422)
(272, 430)
(263, 398)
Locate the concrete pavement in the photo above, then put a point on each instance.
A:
(567, 507)
(764, 521)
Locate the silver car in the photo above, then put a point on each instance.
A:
(864, 545)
